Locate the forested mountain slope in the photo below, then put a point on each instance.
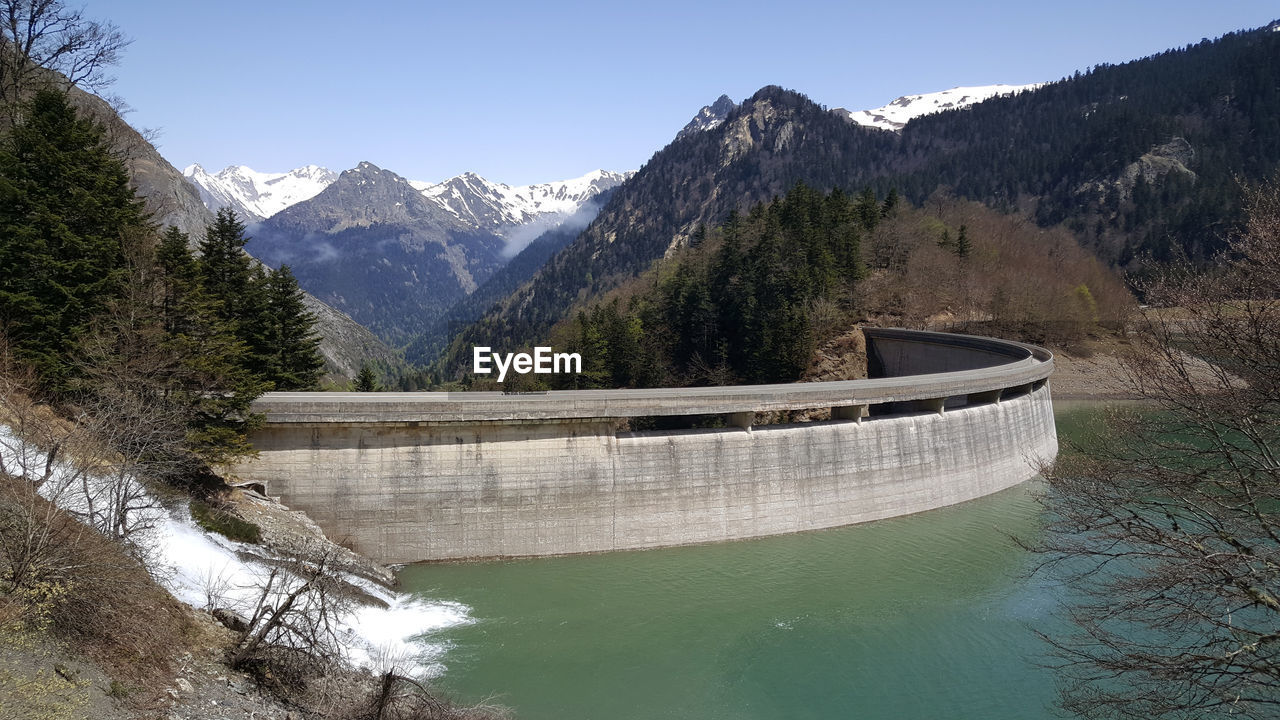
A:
(517, 272)
(1139, 160)
(764, 146)
(173, 201)
(1141, 157)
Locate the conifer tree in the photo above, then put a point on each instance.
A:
(256, 325)
(890, 203)
(595, 354)
(230, 279)
(178, 277)
(366, 381)
(264, 309)
(66, 214)
(868, 208)
(213, 380)
(225, 270)
(295, 361)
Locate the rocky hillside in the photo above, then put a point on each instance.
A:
(517, 214)
(448, 236)
(424, 348)
(762, 148)
(709, 117)
(170, 199)
(373, 246)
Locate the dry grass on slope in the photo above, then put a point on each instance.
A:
(62, 579)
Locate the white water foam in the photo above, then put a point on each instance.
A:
(206, 570)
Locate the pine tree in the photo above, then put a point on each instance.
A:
(868, 208)
(366, 381)
(226, 272)
(890, 203)
(264, 309)
(66, 214)
(256, 326)
(594, 348)
(178, 277)
(295, 361)
(213, 379)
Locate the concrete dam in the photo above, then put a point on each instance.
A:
(407, 477)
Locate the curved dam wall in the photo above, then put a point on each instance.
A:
(433, 476)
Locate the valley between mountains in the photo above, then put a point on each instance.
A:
(1139, 162)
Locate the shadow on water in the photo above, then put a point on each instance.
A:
(929, 615)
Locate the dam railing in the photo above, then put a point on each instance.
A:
(916, 370)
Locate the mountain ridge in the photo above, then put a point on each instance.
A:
(895, 114)
(173, 201)
(376, 248)
(482, 203)
(1142, 159)
(416, 248)
(257, 195)
(760, 149)
(709, 117)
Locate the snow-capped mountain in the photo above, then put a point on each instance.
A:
(258, 195)
(472, 201)
(397, 254)
(500, 208)
(896, 114)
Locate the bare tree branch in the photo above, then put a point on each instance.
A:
(38, 36)
(1166, 529)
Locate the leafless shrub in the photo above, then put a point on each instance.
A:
(215, 587)
(72, 517)
(295, 622)
(1167, 529)
(91, 464)
(397, 696)
(1016, 280)
(60, 575)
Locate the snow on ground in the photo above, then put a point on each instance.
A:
(263, 194)
(896, 114)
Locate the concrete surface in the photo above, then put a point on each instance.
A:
(406, 477)
(961, 365)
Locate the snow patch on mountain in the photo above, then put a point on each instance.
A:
(258, 195)
(896, 114)
(470, 201)
(511, 212)
(493, 205)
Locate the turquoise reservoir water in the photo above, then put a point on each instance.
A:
(927, 616)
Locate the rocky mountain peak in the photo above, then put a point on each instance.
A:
(361, 196)
(709, 117)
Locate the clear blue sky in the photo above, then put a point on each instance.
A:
(529, 91)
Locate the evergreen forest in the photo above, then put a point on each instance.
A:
(95, 300)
